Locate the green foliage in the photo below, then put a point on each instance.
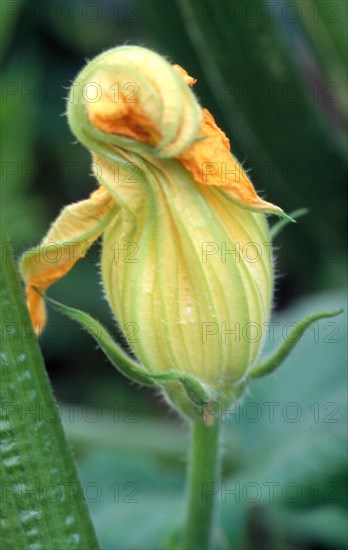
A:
(43, 504)
(9, 17)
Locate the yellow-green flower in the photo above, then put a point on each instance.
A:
(169, 192)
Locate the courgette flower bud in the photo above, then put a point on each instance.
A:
(176, 211)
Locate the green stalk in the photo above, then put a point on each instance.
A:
(203, 478)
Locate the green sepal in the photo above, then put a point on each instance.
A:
(118, 357)
(195, 391)
(271, 363)
(292, 217)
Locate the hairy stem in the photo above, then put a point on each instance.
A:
(202, 486)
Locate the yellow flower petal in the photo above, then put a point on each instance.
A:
(211, 162)
(143, 97)
(134, 92)
(68, 240)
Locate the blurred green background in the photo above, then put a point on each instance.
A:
(273, 74)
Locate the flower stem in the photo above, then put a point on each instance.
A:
(202, 480)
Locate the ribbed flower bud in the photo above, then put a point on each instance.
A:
(186, 262)
(191, 278)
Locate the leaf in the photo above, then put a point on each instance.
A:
(139, 501)
(327, 524)
(44, 507)
(124, 428)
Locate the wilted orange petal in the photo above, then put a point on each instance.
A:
(128, 120)
(188, 79)
(208, 158)
(136, 93)
(211, 163)
(68, 240)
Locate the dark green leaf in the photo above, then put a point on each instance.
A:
(43, 503)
